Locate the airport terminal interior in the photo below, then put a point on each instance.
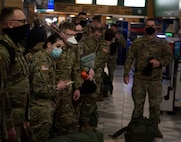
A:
(115, 110)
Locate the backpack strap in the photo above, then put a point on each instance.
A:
(119, 132)
(10, 50)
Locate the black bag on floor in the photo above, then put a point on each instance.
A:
(82, 136)
(138, 130)
(107, 84)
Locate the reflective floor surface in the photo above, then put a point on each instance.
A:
(115, 112)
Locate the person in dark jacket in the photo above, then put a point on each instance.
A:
(35, 35)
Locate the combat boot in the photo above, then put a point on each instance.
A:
(85, 126)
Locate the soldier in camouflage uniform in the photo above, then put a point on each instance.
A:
(120, 42)
(14, 73)
(102, 57)
(68, 69)
(44, 87)
(88, 45)
(150, 55)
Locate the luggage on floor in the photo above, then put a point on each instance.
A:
(138, 130)
(82, 136)
(107, 84)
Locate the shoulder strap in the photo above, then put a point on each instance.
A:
(10, 50)
(119, 132)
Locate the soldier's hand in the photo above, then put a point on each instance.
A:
(62, 85)
(76, 95)
(155, 63)
(126, 80)
(90, 77)
(91, 72)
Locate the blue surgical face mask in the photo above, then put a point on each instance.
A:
(56, 52)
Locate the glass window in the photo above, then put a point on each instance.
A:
(134, 3)
(107, 2)
(83, 1)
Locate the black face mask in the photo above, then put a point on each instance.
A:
(17, 33)
(150, 30)
(78, 37)
(83, 23)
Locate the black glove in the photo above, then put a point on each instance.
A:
(147, 71)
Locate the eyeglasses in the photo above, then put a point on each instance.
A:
(24, 21)
(69, 34)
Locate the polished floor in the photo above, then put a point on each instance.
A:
(115, 112)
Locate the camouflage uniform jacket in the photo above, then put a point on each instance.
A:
(43, 86)
(68, 66)
(14, 82)
(119, 43)
(87, 45)
(102, 55)
(141, 50)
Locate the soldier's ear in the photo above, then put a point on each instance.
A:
(49, 45)
(10, 24)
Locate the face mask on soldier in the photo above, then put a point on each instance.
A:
(72, 40)
(56, 52)
(150, 30)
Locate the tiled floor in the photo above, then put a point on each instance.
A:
(115, 113)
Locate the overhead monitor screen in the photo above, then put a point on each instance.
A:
(134, 3)
(166, 8)
(44, 5)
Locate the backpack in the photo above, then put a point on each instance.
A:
(82, 136)
(138, 130)
(107, 84)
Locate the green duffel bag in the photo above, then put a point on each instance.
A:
(82, 136)
(141, 130)
(138, 130)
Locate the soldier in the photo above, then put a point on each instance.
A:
(68, 69)
(14, 73)
(147, 51)
(101, 59)
(44, 87)
(120, 42)
(88, 46)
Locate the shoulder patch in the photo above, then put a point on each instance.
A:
(44, 67)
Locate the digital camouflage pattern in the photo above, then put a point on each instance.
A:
(112, 61)
(14, 87)
(140, 51)
(88, 44)
(68, 68)
(43, 88)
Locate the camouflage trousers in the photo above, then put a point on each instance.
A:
(139, 91)
(111, 66)
(41, 122)
(99, 82)
(88, 104)
(65, 119)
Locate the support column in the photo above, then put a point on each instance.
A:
(150, 9)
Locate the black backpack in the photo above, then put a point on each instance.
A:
(138, 130)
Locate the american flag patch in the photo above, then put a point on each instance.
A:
(44, 67)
